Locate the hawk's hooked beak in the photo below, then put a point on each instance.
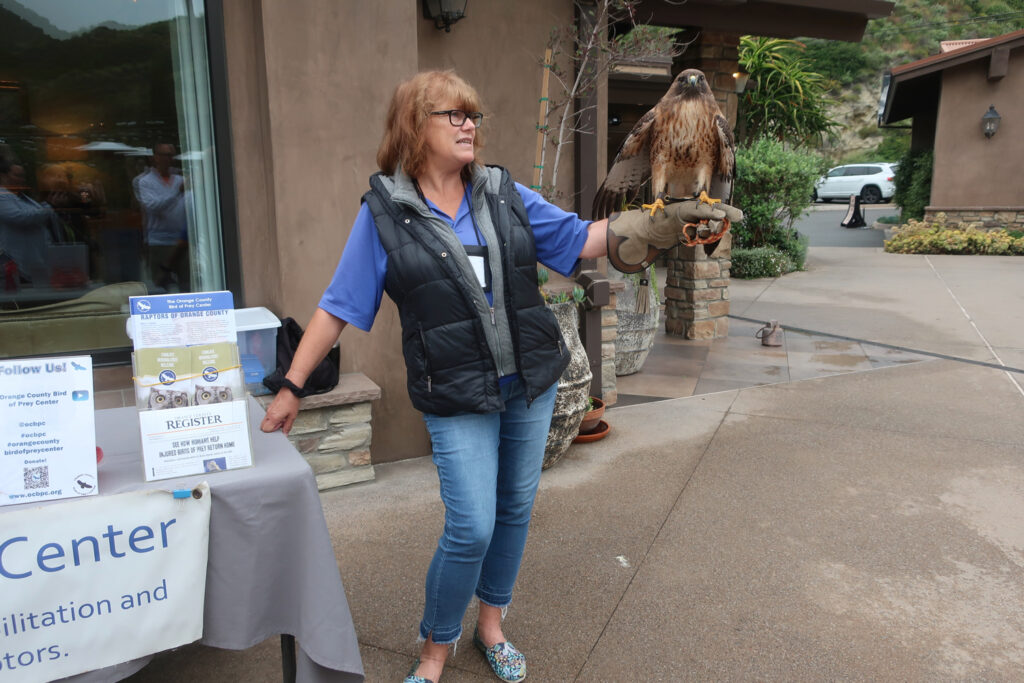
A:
(692, 79)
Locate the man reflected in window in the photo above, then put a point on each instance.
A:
(24, 230)
(161, 193)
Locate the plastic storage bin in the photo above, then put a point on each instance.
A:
(257, 346)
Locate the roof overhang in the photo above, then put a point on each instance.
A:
(832, 19)
(914, 87)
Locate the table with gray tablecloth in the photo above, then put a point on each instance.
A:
(271, 567)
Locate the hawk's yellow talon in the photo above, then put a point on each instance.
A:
(704, 198)
(658, 204)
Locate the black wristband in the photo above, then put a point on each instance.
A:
(291, 386)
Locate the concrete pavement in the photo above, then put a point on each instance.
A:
(860, 526)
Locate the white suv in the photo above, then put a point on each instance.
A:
(872, 182)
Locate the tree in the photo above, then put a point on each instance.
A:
(789, 100)
(914, 183)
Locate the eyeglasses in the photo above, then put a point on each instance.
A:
(457, 117)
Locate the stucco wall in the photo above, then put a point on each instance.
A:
(970, 170)
(310, 84)
(253, 167)
(499, 48)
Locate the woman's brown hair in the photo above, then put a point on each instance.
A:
(403, 143)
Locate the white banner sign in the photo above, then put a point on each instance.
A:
(47, 429)
(99, 581)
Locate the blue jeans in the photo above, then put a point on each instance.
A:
(489, 468)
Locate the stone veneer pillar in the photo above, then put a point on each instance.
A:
(985, 218)
(333, 431)
(609, 335)
(697, 291)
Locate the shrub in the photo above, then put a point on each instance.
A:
(894, 145)
(889, 220)
(914, 184)
(936, 237)
(793, 245)
(759, 262)
(773, 186)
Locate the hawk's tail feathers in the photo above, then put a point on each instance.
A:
(606, 202)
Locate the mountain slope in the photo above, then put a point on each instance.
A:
(913, 31)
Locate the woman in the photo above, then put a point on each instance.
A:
(455, 245)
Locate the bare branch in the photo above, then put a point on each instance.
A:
(592, 52)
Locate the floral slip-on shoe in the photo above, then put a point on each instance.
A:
(412, 677)
(506, 661)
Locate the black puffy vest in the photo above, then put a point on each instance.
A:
(449, 366)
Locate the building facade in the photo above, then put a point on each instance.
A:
(947, 95)
(189, 145)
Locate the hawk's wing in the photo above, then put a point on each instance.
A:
(631, 169)
(725, 168)
(725, 165)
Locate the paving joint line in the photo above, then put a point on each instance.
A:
(661, 527)
(449, 659)
(933, 354)
(970, 319)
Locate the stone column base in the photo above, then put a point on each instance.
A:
(697, 291)
(609, 337)
(333, 430)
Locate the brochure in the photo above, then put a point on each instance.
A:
(182, 319)
(189, 386)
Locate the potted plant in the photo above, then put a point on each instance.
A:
(593, 427)
(593, 415)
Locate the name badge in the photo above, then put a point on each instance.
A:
(478, 260)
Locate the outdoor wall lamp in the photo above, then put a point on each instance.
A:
(990, 121)
(741, 80)
(444, 12)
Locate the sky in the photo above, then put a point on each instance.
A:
(75, 15)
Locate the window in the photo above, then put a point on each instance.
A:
(108, 182)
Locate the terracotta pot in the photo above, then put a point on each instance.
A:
(573, 387)
(602, 430)
(592, 416)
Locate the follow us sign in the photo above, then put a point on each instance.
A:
(47, 430)
(99, 581)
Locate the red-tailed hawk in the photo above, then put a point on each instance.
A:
(683, 145)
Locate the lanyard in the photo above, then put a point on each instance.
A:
(476, 253)
(472, 218)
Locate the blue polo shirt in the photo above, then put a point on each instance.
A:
(357, 287)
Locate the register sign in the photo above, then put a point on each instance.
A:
(111, 579)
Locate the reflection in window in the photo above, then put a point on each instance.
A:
(107, 180)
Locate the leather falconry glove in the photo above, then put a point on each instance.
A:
(635, 237)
